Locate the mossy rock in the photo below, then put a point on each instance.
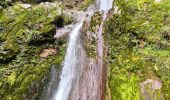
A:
(23, 77)
(7, 56)
(25, 33)
(76, 4)
(96, 21)
(89, 38)
(166, 33)
(20, 25)
(85, 4)
(123, 34)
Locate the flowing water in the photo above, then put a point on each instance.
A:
(69, 68)
(105, 5)
(71, 79)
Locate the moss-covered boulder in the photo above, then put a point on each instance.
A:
(24, 77)
(27, 26)
(24, 35)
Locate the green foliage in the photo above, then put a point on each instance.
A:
(28, 68)
(12, 78)
(25, 26)
(123, 79)
(160, 65)
(138, 47)
(22, 71)
(125, 87)
(90, 44)
(4, 3)
(86, 4)
(95, 22)
(23, 20)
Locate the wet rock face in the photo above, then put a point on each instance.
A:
(48, 90)
(89, 34)
(94, 75)
(63, 33)
(89, 43)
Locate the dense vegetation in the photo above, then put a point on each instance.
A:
(138, 41)
(24, 34)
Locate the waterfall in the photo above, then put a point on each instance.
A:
(72, 68)
(105, 4)
(68, 71)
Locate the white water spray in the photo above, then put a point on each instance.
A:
(68, 70)
(105, 5)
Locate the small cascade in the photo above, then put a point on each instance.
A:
(105, 5)
(69, 69)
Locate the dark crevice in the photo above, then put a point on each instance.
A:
(59, 21)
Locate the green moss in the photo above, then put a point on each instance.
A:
(138, 48)
(90, 44)
(12, 78)
(26, 26)
(95, 22)
(25, 71)
(22, 70)
(86, 3)
(125, 87)
(20, 22)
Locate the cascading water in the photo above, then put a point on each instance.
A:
(105, 4)
(71, 72)
(68, 71)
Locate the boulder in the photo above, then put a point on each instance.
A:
(48, 52)
(149, 88)
(25, 6)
